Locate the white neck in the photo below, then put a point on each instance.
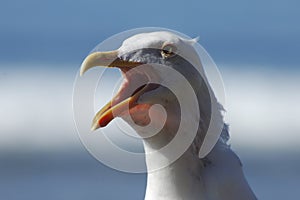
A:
(180, 180)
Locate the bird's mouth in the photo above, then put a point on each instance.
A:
(135, 84)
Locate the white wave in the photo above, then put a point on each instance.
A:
(36, 107)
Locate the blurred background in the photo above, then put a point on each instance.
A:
(255, 44)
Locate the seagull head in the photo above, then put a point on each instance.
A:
(141, 59)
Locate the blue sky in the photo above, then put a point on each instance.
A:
(234, 31)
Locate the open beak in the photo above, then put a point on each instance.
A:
(120, 103)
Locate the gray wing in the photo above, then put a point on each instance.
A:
(223, 175)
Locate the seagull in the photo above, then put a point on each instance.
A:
(216, 175)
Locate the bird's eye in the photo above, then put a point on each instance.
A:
(168, 51)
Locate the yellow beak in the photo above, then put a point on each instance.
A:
(105, 59)
(108, 59)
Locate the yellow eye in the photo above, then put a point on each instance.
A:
(168, 51)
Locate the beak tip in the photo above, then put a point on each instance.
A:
(95, 127)
(98, 59)
(83, 69)
(81, 73)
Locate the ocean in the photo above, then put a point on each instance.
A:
(77, 175)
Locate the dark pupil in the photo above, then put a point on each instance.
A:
(167, 51)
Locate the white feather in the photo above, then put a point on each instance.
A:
(217, 176)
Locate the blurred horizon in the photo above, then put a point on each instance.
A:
(259, 101)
